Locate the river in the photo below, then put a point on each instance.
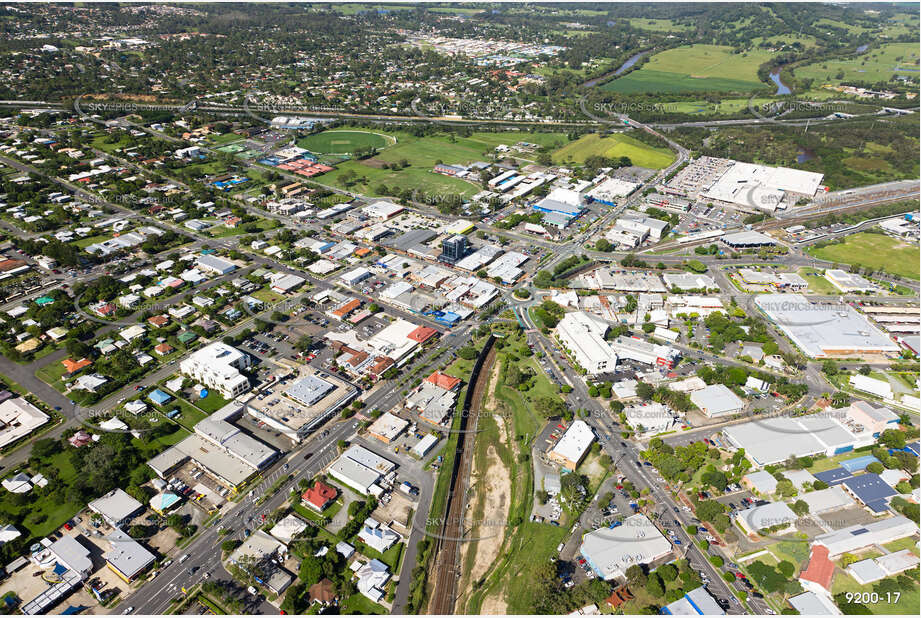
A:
(781, 88)
(626, 65)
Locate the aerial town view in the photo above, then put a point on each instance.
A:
(487, 308)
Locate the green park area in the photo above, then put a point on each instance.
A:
(875, 251)
(408, 161)
(880, 63)
(614, 146)
(695, 68)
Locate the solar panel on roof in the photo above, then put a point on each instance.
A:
(859, 531)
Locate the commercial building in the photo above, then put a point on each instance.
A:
(563, 203)
(387, 427)
(825, 330)
(774, 516)
(117, 508)
(873, 569)
(219, 448)
(826, 500)
(284, 283)
(650, 417)
(758, 188)
(748, 240)
(848, 282)
(126, 557)
(610, 189)
(790, 281)
(611, 551)
(569, 451)
(218, 366)
(697, 602)
(761, 481)
(872, 419)
(870, 490)
(641, 351)
(866, 384)
(689, 281)
(812, 604)
(583, 335)
(361, 470)
(860, 536)
(453, 249)
(311, 400)
(382, 210)
(773, 440)
(356, 276)
(214, 264)
(18, 419)
(717, 400)
(262, 554)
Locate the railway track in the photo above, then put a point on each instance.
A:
(453, 529)
(860, 202)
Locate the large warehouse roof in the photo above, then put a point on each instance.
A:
(822, 330)
(611, 551)
(772, 440)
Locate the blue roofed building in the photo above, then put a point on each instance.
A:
(833, 476)
(871, 490)
(159, 397)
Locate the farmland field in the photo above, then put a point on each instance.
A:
(343, 141)
(618, 145)
(877, 64)
(873, 250)
(695, 68)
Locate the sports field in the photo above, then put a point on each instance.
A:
(874, 250)
(343, 141)
(878, 63)
(618, 145)
(695, 68)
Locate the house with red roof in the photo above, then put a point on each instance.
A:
(71, 366)
(105, 309)
(158, 321)
(819, 572)
(319, 496)
(444, 381)
(163, 349)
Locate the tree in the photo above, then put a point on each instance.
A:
(800, 507)
(230, 544)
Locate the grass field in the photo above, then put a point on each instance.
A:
(879, 63)
(818, 284)
(907, 602)
(344, 141)
(726, 106)
(421, 153)
(874, 250)
(619, 145)
(658, 25)
(694, 68)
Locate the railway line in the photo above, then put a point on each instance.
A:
(453, 527)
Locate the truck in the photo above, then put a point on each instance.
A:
(407, 488)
